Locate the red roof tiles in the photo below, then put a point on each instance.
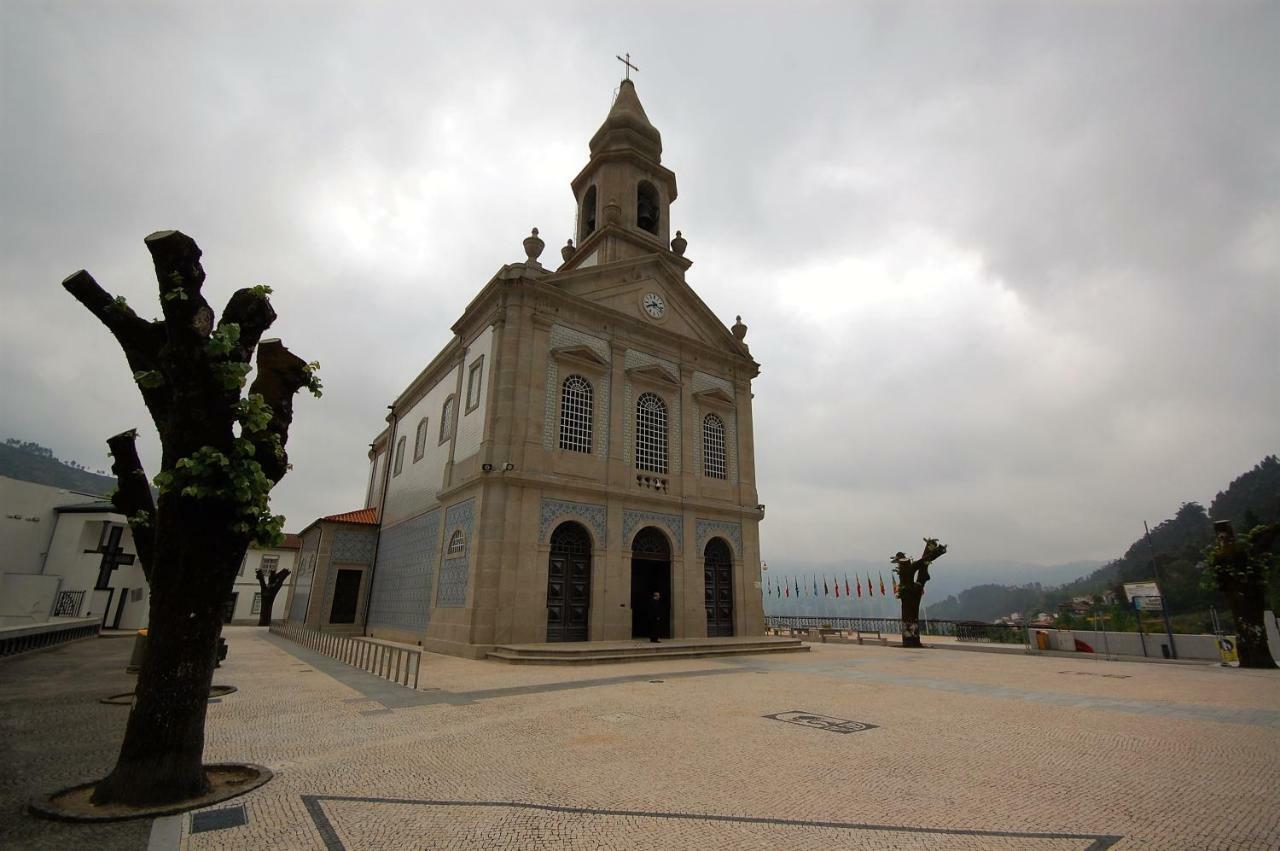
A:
(365, 516)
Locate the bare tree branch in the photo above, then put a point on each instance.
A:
(139, 339)
(133, 496)
(180, 275)
(251, 310)
(281, 374)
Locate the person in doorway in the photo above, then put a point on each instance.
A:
(655, 616)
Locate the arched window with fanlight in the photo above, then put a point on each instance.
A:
(420, 440)
(446, 420)
(575, 414)
(399, 465)
(457, 545)
(713, 462)
(647, 208)
(651, 433)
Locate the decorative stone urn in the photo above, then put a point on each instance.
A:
(739, 330)
(567, 250)
(679, 244)
(533, 247)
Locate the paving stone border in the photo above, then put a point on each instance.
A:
(48, 807)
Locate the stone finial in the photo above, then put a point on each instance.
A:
(679, 244)
(533, 247)
(567, 250)
(740, 330)
(612, 212)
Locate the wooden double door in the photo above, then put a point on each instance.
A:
(569, 583)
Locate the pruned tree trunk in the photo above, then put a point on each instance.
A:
(911, 596)
(213, 485)
(912, 576)
(270, 589)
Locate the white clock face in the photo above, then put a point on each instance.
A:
(654, 305)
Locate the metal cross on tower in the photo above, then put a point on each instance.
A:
(627, 62)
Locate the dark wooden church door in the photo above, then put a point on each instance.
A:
(569, 583)
(717, 566)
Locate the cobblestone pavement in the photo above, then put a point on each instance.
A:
(962, 750)
(54, 733)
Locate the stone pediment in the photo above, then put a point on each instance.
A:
(655, 374)
(715, 395)
(581, 354)
(625, 287)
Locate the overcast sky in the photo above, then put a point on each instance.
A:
(1011, 269)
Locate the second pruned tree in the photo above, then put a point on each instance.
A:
(912, 576)
(222, 451)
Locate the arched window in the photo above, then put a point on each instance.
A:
(651, 433)
(588, 214)
(647, 211)
(457, 545)
(575, 414)
(446, 420)
(420, 440)
(713, 447)
(399, 457)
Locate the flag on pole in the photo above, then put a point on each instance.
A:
(768, 585)
(846, 586)
(815, 585)
(858, 579)
(894, 580)
(882, 585)
(837, 589)
(797, 580)
(778, 589)
(826, 592)
(870, 590)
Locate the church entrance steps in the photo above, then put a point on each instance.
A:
(640, 650)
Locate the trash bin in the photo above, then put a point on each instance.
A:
(139, 653)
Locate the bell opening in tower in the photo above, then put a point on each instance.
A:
(588, 214)
(647, 207)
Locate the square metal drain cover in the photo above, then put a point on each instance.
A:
(821, 722)
(222, 819)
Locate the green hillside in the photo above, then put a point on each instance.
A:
(30, 462)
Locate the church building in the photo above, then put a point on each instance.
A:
(584, 440)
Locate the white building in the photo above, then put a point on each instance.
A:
(246, 597)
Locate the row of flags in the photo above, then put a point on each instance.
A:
(783, 587)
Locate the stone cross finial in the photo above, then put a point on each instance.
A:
(627, 62)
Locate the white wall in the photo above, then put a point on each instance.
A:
(471, 425)
(414, 490)
(77, 532)
(27, 520)
(26, 598)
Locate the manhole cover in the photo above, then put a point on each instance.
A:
(821, 722)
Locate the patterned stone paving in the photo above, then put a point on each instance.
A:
(964, 750)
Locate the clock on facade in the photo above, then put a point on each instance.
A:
(654, 305)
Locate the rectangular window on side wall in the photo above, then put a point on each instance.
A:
(399, 457)
(257, 603)
(475, 378)
(270, 563)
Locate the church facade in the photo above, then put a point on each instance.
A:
(583, 441)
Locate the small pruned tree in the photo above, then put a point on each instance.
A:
(221, 453)
(1237, 566)
(912, 576)
(270, 581)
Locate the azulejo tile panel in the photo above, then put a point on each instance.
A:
(673, 523)
(708, 529)
(555, 510)
(354, 546)
(455, 572)
(408, 557)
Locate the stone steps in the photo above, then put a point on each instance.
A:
(585, 654)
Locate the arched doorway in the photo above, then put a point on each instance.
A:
(569, 583)
(717, 569)
(650, 571)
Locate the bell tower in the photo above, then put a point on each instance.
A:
(624, 193)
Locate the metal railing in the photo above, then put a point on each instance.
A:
(389, 661)
(884, 625)
(15, 640)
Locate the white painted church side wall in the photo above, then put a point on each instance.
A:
(471, 423)
(414, 490)
(76, 533)
(26, 526)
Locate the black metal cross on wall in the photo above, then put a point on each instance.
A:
(113, 555)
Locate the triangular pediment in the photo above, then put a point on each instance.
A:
(583, 354)
(652, 292)
(714, 394)
(654, 373)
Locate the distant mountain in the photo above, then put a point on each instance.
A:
(983, 591)
(30, 462)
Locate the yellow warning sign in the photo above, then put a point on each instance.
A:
(1227, 647)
